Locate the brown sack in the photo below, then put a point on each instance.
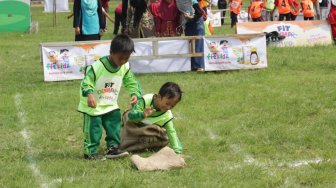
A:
(165, 159)
(140, 137)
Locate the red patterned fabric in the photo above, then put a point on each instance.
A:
(166, 17)
(105, 4)
(332, 20)
(118, 9)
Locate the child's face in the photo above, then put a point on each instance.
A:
(120, 58)
(165, 104)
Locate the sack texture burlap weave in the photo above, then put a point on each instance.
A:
(165, 159)
(140, 137)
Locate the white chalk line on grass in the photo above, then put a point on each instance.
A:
(300, 163)
(26, 136)
(250, 160)
(212, 134)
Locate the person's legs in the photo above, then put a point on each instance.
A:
(221, 4)
(293, 17)
(78, 37)
(92, 133)
(196, 28)
(117, 21)
(260, 19)
(104, 19)
(317, 10)
(288, 16)
(268, 15)
(281, 17)
(124, 15)
(112, 124)
(234, 19)
(87, 37)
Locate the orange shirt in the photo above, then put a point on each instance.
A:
(235, 6)
(283, 7)
(307, 8)
(295, 8)
(255, 9)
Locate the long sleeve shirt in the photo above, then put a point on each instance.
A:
(136, 114)
(129, 80)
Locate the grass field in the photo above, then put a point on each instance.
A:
(253, 128)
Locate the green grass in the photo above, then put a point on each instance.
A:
(252, 128)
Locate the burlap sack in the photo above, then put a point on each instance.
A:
(165, 159)
(140, 137)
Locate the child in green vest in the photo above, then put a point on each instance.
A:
(149, 125)
(99, 94)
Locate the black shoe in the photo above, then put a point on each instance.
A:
(94, 156)
(115, 152)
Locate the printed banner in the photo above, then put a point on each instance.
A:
(14, 16)
(61, 5)
(235, 52)
(67, 61)
(215, 18)
(297, 33)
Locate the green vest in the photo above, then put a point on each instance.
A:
(106, 89)
(158, 119)
(269, 4)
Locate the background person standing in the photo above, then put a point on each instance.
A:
(222, 4)
(88, 19)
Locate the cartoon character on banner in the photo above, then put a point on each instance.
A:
(65, 56)
(53, 57)
(224, 47)
(213, 47)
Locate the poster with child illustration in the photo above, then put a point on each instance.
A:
(235, 52)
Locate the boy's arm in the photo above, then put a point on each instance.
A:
(173, 139)
(131, 84)
(136, 113)
(88, 83)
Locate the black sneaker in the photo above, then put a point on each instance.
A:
(94, 156)
(115, 152)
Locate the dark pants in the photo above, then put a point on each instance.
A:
(104, 18)
(87, 37)
(308, 18)
(117, 22)
(287, 16)
(260, 19)
(234, 19)
(293, 17)
(196, 28)
(124, 15)
(222, 4)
